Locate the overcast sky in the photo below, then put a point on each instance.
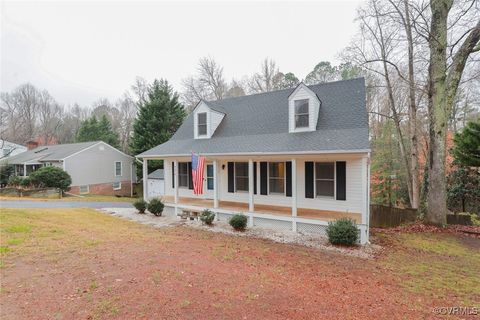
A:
(82, 51)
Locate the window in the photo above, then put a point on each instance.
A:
(202, 123)
(117, 185)
(276, 177)
(118, 168)
(241, 176)
(301, 113)
(183, 174)
(84, 189)
(209, 176)
(325, 179)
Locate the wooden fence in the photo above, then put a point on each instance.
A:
(387, 217)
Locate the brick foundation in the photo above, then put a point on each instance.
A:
(105, 189)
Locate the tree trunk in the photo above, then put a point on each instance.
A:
(437, 113)
(442, 89)
(412, 112)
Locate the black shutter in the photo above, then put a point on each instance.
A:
(231, 177)
(309, 180)
(190, 177)
(254, 178)
(263, 177)
(173, 175)
(288, 178)
(341, 180)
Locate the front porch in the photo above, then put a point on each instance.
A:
(240, 207)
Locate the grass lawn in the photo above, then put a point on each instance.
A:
(86, 197)
(81, 264)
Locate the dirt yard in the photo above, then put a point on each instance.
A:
(82, 264)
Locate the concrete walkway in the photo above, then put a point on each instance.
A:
(25, 204)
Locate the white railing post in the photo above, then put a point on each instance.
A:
(145, 179)
(215, 184)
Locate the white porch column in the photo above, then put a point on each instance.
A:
(175, 180)
(215, 184)
(24, 170)
(250, 186)
(145, 179)
(294, 194)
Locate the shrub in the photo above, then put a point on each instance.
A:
(51, 177)
(342, 231)
(156, 207)
(140, 205)
(25, 182)
(14, 181)
(207, 217)
(239, 222)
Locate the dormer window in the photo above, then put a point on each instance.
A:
(301, 113)
(202, 123)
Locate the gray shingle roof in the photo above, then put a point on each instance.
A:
(49, 153)
(259, 124)
(157, 174)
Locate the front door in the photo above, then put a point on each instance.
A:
(208, 187)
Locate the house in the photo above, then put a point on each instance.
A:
(8, 149)
(95, 167)
(292, 159)
(156, 184)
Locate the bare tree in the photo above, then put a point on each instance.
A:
(50, 115)
(443, 82)
(265, 80)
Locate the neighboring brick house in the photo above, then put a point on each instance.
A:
(95, 167)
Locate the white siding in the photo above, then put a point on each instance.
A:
(303, 92)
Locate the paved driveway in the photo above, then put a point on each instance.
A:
(63, 204)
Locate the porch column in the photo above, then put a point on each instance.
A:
(294, 195)
(24, 170)
(215, 184)
(145, 179)
(250, 186)
(175, 179)
(365, 197)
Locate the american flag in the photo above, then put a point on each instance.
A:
(198, 167)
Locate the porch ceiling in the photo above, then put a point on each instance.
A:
(305, 213)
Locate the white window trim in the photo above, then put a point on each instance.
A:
(206, 176)
(334, 197)
(119, 186)
(80, 189)
(235, 177)
(115, 168)
(309, 113)
(284, 179)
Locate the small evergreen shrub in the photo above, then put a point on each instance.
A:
(343, 231)
(25, 182)
(207, 217)
(14, 181)
(140, 205)
(51, 177)
(239, 222)
(156, 206)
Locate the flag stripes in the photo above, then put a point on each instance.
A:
(198, 168)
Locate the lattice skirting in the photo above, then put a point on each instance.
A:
(278, 225)
(311, 228)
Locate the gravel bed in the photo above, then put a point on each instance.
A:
(168, 219)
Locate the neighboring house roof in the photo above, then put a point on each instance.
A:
(258, 123)
(49, 153)
(157, 174)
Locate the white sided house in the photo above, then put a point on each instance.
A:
(292, 159)
(95, 167)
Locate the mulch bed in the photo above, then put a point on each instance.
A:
(472, 231)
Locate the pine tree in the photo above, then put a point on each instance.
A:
(158, 119)
(93, 130)
(467, 145)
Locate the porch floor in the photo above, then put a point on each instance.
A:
(305, 213)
